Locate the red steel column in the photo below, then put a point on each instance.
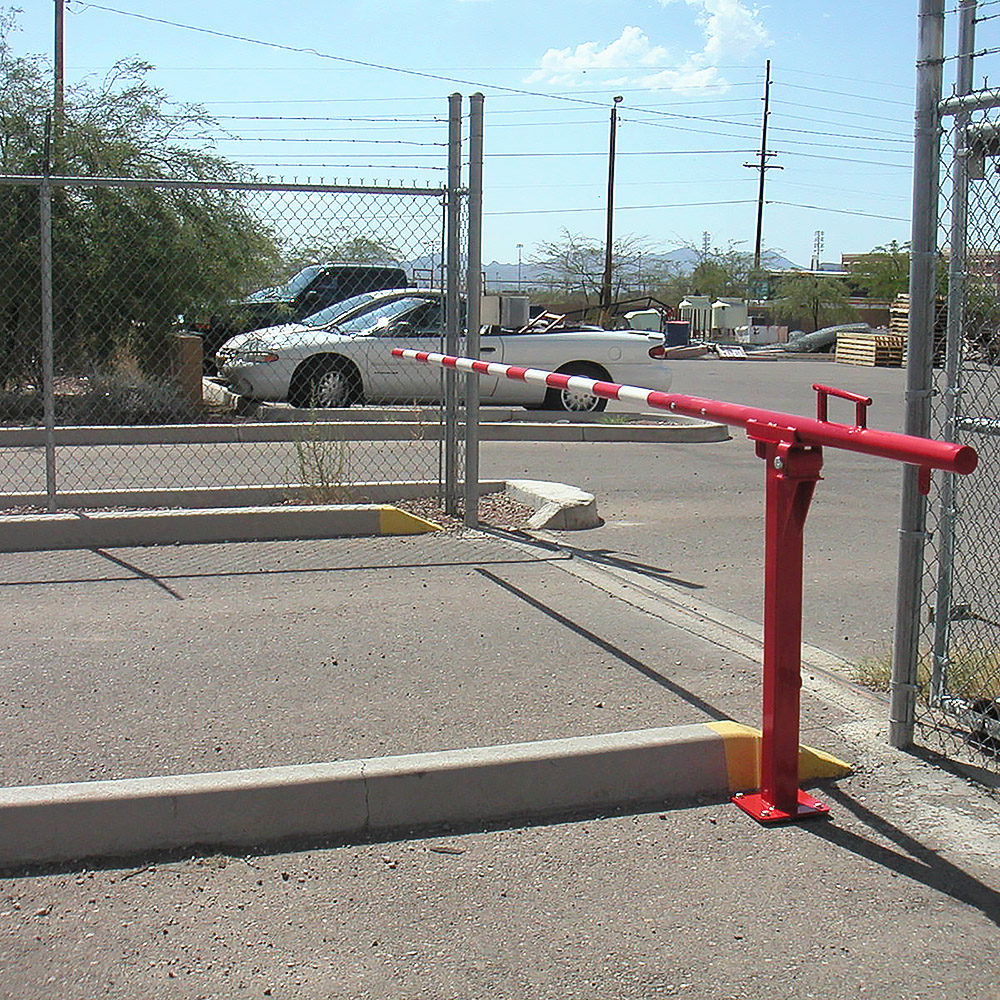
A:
(792, 473)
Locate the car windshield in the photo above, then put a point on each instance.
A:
(290, 288)
(388, 311)
(330, 313)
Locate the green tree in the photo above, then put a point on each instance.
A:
(126, 260)
(573, 266)
(813, 301)
(343, 245)
(883, 273)
(718, 273)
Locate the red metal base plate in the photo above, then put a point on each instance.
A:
(764, 812)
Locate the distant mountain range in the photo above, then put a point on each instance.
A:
(684, 259)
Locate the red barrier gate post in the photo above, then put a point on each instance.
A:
(792, 471)
(792, 448)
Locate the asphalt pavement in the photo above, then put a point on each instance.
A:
(143, 661)
(697, 510)
(147, 661)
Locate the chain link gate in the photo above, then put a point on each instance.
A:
(109, 283)
(956, 681)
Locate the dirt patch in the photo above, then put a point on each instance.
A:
(496, 510)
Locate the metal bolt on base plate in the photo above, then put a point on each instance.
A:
(765, 812)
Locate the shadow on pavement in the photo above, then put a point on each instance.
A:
(914, 860)
(692, 699)
(141, 573)
(138, 574)
(602, 557)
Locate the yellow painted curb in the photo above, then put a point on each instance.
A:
(393, 521)
(742, 749)
(820, 764)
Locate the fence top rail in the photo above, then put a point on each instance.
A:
(978, 100)
(760, 424)
(11, 180)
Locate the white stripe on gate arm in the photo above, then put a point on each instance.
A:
(596, 387)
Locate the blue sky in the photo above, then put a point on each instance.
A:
(324, 98)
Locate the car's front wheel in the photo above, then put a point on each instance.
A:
(573, 400)
(325, 383)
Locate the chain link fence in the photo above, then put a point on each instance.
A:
(957, 703)
(143, 304)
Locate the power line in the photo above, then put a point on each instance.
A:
(842, 111)
(340, 166)
(561, 153)
(840, 93)
(841, 135)
(853, 79)
(423, 74)
(366, 142)
(396, 119)
(845, 159)
(790, 142)
(839, 211)
(876, 133)
(305, 50)
(882, 196)
(496, 110)
(623, 208)
(793, 131)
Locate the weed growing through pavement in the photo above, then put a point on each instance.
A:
(324, 465)
(972, 674)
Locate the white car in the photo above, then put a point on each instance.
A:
(349, 360)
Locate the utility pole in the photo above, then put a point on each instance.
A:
(609, 234)
(58, 62)
(762, 165)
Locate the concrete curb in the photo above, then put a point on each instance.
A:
(677, 430)
(355, 800)
(202, 497)
(557, 507)
(112, 529)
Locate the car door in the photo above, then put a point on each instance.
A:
(419, 329)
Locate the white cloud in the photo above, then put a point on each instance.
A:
(732, 32)
(567, 66)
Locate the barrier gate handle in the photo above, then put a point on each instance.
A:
(860, 413)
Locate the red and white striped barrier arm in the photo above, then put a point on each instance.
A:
(760, 424)
(606, 390)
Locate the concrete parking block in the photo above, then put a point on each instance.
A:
(558, 507)
(113, 529)
(355, 800)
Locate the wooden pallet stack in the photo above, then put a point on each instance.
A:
(899, 319)
(881, 349)
(899, 315)
(885, 348)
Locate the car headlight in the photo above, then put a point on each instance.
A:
(250, 353)
(255, 357)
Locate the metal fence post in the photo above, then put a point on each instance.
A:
(452, 318)
(473, 289)
(923, 266)
(48, 350)
(953, 351)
